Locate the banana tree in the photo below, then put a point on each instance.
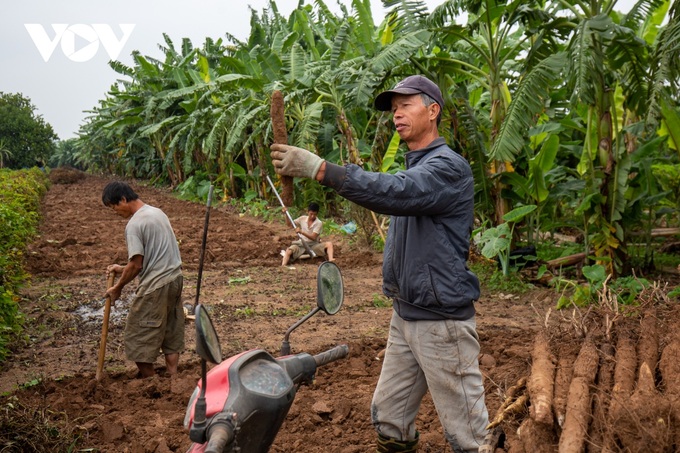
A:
(534, 187)
(504, 47)
(610, 79)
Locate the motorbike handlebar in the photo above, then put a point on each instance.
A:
(331, 355)
(219, 436)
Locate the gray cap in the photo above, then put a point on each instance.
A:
(414, 84)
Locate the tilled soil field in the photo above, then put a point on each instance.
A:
(624, 366)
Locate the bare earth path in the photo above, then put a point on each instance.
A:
(253, 301)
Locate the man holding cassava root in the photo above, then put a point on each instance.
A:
(433, 343)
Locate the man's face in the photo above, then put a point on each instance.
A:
(122, 208)
(312, 215)
(411, 117)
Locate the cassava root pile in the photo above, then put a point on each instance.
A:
(614, 389)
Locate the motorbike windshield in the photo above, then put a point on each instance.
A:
(265, 377)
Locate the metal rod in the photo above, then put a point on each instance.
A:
(290, 219)
(203, 242)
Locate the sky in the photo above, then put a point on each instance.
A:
(56, 53)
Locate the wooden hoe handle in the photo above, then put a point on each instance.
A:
(105, 328)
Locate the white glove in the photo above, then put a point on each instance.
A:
(293, 161)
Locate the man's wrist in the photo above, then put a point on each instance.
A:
(322, 172)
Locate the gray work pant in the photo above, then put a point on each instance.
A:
(441, 356)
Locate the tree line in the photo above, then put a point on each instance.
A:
(567, 107)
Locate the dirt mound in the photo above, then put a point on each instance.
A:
(65, 175)
(253, 301)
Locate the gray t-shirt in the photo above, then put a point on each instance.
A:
(148, 233)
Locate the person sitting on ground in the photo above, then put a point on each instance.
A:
(309, 226)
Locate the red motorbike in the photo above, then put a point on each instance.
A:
(240, 404)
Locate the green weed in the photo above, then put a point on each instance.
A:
(666, 259)
(289, 312)
(547, 250)
(626, 289)
(239, 281)
(380, 301)
(493, 280)
(245, 312)
(32, 383)
(254, 206)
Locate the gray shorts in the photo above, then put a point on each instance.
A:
(298, 249)
(155, 324)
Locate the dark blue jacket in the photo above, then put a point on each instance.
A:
(432, 207)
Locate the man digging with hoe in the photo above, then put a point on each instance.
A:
(155, 322)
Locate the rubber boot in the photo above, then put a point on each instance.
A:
(388, 445)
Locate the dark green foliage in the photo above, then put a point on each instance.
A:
(20, 195)
(66, 154)
(26, 140)
(568, 106)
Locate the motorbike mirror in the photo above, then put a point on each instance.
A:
(207, 343)
(330, 288)
(330, 293)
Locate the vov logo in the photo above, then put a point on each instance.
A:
(88, 37)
